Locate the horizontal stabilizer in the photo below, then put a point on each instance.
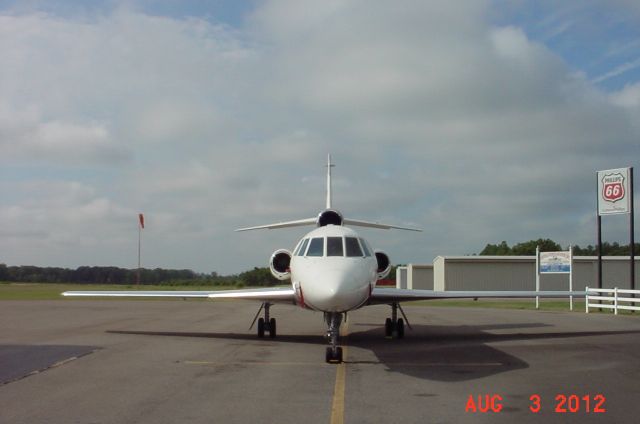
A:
(314, 221)
(360, 223)
(298, 223)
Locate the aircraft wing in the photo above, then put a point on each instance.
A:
(274, 294)
(389, 295)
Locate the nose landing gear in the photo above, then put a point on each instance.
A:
(334, 352)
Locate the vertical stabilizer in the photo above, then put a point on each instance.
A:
(329, 166)
(329, 216)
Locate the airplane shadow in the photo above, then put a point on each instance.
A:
(456, 353)
(440, 353)
(284, 338)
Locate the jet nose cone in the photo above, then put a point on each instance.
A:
(333, 283)
(333, 291)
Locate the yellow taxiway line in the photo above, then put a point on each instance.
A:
(337, 406)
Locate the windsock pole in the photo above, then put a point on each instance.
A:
(140, 228)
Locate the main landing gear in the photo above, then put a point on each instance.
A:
(265, 324)
(394, 326)
(334, 352)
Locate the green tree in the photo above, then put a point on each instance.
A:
(258, 277)
(529, 247)
(526, 248)
(608, 249)
(501, 249)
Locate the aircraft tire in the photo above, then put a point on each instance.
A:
(332, 358)
(400, 328)
(272, 328)
(388, 327)
(261, 327)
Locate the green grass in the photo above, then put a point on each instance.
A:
(41, 291)
(523, 304)
(545, 305)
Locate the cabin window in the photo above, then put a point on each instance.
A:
(302, 247)
(353, 247)
(334, 246)
(367, 251)
(316, 247)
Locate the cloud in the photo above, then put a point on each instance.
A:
(50, 221)
(63, 142)
(628, 97)
(434, 116)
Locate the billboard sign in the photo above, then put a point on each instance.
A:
(613, 189)
(555, 262)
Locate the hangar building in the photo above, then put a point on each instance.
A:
(512, 273)
(414, 276)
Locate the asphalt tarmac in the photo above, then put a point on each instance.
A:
(85, 361)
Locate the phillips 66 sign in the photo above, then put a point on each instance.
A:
(613, 189)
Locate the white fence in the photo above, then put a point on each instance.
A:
(612, 299)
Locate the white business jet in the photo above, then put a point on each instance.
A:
(332, 270)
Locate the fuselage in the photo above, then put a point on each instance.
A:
(333, 269)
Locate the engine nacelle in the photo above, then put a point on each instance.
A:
(384, 264)
(329, 217)
(279, 264)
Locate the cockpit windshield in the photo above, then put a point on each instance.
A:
(301, 248)
(334, 246)
(365, 247)
(353, 247)
(316, 247)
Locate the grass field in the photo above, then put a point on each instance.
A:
(545, 304)
(525, 304)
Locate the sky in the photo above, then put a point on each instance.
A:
(477, 121)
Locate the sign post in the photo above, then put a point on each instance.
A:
(615, 196)
(537, 276)
(555, 263)
(632, 243)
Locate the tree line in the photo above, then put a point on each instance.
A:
(528, 248)
(115, 275)
(257, 277)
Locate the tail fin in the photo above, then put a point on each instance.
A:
(329, 166)
(336, 217)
